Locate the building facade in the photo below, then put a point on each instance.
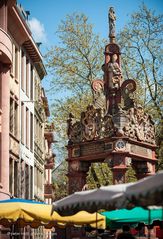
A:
(24, 145)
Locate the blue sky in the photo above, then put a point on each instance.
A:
(49, 13)
(46, 15)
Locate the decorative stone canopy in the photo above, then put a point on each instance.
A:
(114, 112)
(114, 129)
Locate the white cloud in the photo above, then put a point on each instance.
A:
(38, 30)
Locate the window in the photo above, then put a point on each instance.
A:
(16, 119)
(27, 77)
(22, 123)
(26, 181)
(11, 115)
(15, 179)
(31, 132)
(31, 85)
(11, 176)
(27, 127)
(22, 179)
(16, 63)
(22, 70)
(31, 182)
(35, 178)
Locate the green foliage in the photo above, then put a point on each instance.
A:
(99, 175)
(77, 60)
(130, 175)
(60, 180)
(74, 63)
(141, 45)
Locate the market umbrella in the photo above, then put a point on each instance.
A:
(145, 192)
(91, 200)
(117, 218)
(23, 212)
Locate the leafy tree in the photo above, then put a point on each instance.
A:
(78, 58)
(60, 180)
(74, 64)
(141, 44)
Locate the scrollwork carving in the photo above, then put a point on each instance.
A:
(140, 126)
(94, 125)
(91, 123)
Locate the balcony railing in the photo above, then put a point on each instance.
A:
(49, 163)
(49, 130)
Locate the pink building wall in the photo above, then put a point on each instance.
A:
(5, 64)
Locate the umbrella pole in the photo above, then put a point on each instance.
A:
(12, 231)
(149, 221)
(96, 224)
(65, 232)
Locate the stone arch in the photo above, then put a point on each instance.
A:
(121, 140)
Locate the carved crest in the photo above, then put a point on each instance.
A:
(140, 126)
(91, 122)
(99, 97)
(73, 130)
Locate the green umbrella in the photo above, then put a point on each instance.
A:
(117, 218)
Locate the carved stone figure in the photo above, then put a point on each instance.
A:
(127, 89)
(112, 19)
(77, 132)
(140, 125)
(115, 73)
(149, 130)
(109, 129)
(73, 130)
(89, 121)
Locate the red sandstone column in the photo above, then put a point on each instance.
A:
(77, 173)
(76, 181)
(143, 168)
(4, 174)
(119, 169)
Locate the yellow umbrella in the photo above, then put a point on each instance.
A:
(25, 212)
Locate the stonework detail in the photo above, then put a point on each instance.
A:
(91, 123)
(140, 126)
(73, 130)
(133, 123)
